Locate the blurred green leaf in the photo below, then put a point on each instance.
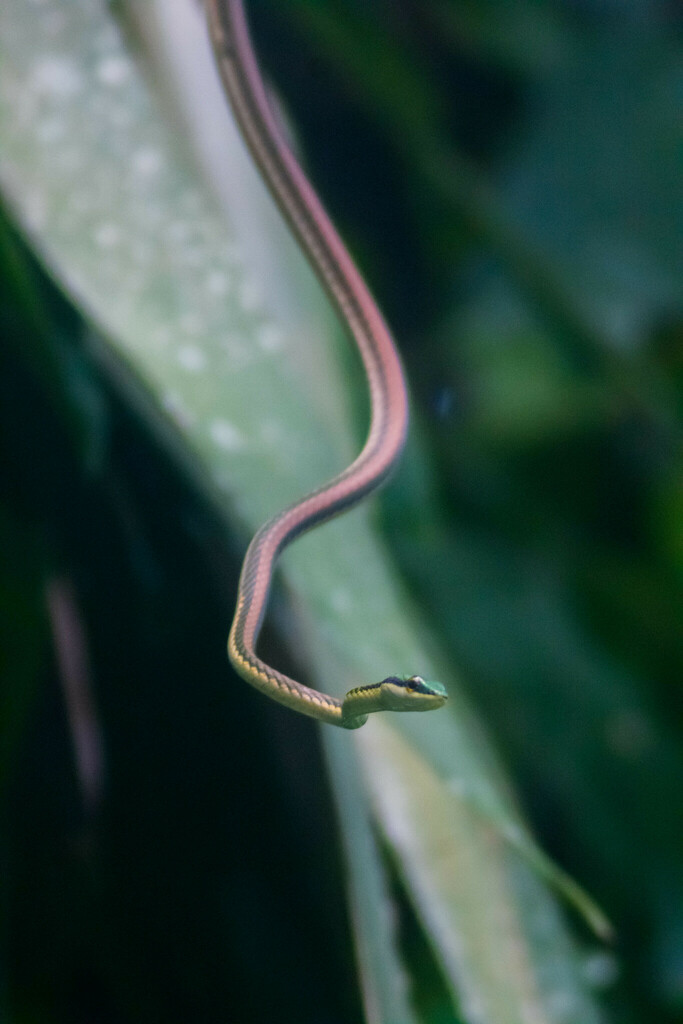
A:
(467, 886)
(242, 381)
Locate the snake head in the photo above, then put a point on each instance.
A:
(411, 693)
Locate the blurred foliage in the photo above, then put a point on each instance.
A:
(506, 176)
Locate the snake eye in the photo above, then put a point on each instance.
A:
(415, 684)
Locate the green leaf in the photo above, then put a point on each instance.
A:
(495, 931)
(216, 328)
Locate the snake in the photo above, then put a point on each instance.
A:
(311, 226)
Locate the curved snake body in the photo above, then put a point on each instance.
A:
(389, 408)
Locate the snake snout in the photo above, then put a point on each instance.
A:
(412, 694)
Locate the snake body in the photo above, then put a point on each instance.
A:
(389, 408)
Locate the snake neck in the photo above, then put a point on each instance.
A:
(361, 702)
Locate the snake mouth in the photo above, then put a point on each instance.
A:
(412, 693)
